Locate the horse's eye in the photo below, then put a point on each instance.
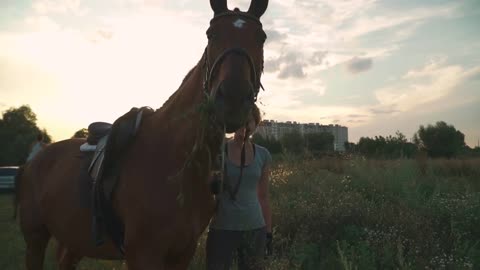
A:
(210, 35)
(261, 36)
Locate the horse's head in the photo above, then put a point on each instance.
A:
(234, 61)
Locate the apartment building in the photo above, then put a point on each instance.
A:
(274, 129)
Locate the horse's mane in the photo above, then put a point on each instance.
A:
(185, 79)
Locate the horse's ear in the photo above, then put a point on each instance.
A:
(218, 6)
(258, 7)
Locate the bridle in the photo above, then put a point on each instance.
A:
(219, 167)
(210, 70)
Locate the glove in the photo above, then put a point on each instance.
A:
(268, 246)
(216, 185)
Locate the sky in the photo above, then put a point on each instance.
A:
(375, 66)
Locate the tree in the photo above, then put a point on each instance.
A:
(81, 133)
(386, 147)
(350, 147)
(440, 140)
(18, 130)
(273, 145)
(319, 142)
(293, 142)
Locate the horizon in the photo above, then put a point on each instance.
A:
(372, 66)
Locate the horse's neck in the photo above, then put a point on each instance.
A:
(173, 131)
(178, 120)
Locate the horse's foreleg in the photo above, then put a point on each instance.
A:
(37, 242)
(144, 264)
(183, 261)
(66, 259)
(143, 259)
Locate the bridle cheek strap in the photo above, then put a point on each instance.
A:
(210, 72)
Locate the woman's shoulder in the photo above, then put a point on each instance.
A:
(261, 149)
(263, 153)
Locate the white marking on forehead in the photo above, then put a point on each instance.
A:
(239, 23)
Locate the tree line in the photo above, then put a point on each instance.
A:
(295, 143)
(440, 140)
(18, 131)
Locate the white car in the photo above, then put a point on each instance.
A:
(7, 178)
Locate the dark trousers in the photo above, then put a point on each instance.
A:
(247, 246)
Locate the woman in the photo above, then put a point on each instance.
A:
(36, 147)
(242, 225)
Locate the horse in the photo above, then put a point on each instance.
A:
(163, 195)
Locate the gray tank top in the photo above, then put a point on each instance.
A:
(243, 213)
(35, 149)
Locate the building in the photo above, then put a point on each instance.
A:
(274, 129)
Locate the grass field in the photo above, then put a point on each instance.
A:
(348, 214)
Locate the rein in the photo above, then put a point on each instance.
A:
(220, 171)
(218, 168)
(233, 193)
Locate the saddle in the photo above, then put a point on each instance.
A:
(109, 143)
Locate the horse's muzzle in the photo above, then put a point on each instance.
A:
(233, 101)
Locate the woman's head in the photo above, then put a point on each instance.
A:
(253, 121)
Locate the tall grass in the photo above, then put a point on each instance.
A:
(351, 214)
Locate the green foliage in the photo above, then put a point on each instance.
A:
(293, 142)
(317, 143)
(440, 140)
(273, 146)
(81, 133)
(350, 147)
(389, 147)
(371, 214)
(18, 130)
(377, 215)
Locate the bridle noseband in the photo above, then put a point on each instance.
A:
(209, 72)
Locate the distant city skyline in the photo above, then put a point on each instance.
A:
(277, 130)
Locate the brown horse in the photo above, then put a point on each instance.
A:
(170, 156)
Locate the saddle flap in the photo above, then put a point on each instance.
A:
(96, 166)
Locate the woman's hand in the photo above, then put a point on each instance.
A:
(269, 245)
(215, 184)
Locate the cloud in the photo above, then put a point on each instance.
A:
(59, 7)
(383, 110)
(41, 23)
(368, 24)
(291, 70)
(274, 36)
(432, 82)
(358, 65)
(341, 27)
(356, 115)
(318, 57)
(289, 65)
(356, 121)
(101, 35)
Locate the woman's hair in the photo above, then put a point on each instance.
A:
(257, 116)
(39, 137)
